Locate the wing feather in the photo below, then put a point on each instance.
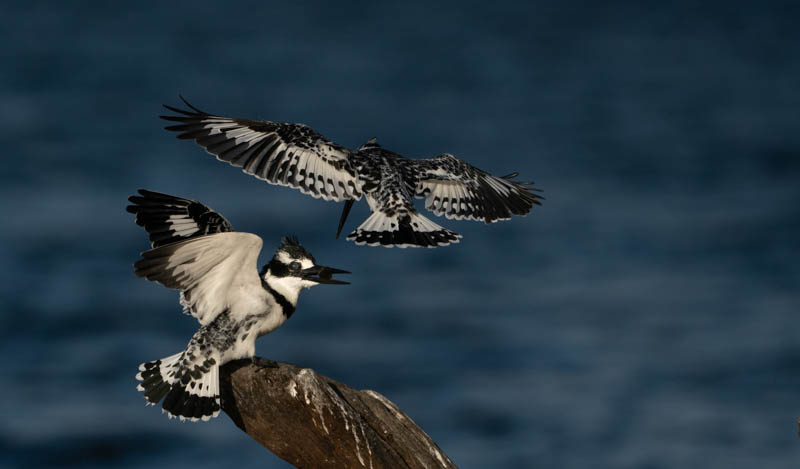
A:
(292, 155)
(168, 218)
(460, 191)
(213, 272)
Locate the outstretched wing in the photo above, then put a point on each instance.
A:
(291, 155)
(168, 219)
(215, 273)
(460, 191)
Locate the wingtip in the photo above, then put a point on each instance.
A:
(190, 105)
(142, 193)
(194, 111)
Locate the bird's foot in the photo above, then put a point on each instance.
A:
(263, 362)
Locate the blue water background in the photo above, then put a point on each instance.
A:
(645, 317)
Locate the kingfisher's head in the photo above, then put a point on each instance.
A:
(371, 143)
(293, 269)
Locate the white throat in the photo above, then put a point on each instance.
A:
(288, 286)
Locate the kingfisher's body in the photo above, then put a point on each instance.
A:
(296, 156)
(232, 335)
(196, 251)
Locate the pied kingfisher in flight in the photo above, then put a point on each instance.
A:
(294, 155)
(196, 251)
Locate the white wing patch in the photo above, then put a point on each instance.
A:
(214, 272)
(182, 226)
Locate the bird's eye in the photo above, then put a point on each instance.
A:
(294, 265)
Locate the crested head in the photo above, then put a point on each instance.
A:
(371, 143)
(292, 247)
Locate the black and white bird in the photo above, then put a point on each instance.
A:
(196, 251)
(294, 155)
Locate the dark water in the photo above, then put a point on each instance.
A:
(645, 317)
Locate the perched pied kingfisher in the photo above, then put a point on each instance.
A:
(294, 155)
(196, 251)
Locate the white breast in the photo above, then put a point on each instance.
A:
(266, 316)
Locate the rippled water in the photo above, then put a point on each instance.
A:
(645, 317)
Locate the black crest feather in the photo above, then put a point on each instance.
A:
(292, 246)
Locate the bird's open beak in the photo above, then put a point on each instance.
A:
(322, 274)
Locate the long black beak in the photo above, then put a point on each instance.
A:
(348, 204)
(322, 274)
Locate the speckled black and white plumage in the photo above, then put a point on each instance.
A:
(296, 156)
(222, 288)
(168, 218)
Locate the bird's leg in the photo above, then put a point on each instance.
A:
(263, 362)
(348, 204)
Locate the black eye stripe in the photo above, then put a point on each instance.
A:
(277, 268)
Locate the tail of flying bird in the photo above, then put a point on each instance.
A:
(402, 229)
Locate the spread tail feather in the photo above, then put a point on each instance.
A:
(189, 391)
(402, 229)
